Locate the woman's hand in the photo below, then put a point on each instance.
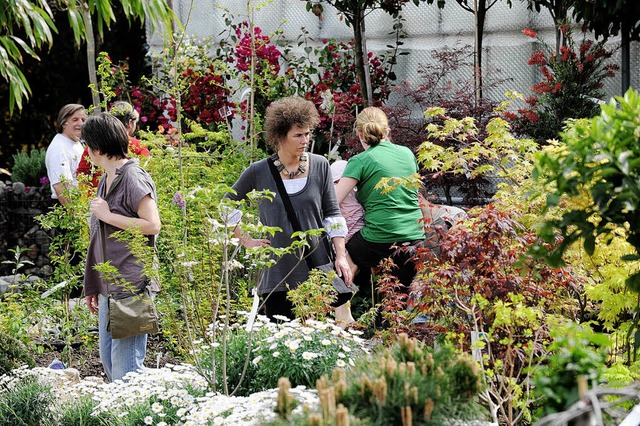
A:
(343, 270)
(249, 242)
(100, 208)
(92, 303)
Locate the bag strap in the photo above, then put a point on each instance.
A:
(291, 214)
(103, 237)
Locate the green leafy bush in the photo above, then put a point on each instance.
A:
(406, 378)
(300, 352)
(13, 354)
(600, 158)
(29, 168)
(405, 384)
(576, 351)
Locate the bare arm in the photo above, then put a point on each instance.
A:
(341, 263)
(249, 242)
(148, 221)
(344, 187)
(59, 188)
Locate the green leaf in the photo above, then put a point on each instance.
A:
(633, 283)
(630, 257)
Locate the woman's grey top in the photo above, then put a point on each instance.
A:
(316, 201)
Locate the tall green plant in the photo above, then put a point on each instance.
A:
(29, 168)
(600, 157)
(571, 87)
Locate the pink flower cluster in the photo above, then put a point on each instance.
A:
(207, 101)
(267, 54)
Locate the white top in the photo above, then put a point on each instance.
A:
(62, 159)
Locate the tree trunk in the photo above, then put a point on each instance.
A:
(91, 56)
(362, 69)
(365, 64)
(625, 66)
(480, 10)
(558, 13)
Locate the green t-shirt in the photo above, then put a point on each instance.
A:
(391, 217)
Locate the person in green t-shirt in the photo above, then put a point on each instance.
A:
(391, 219)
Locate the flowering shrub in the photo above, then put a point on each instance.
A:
(266, 53)
(328, 79)
(301, 352)
(573, 79)
(324, 74)
(155, 111)
(172, 395)
(207, 99)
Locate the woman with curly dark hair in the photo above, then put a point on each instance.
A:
(306, 177)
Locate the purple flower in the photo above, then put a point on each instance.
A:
(44, 181)
(179, 201)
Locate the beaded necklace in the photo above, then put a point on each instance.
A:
(302, 167)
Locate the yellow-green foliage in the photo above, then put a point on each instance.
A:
(312, 299)
(193, 242)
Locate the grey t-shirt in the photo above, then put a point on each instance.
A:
(316, 201)
(128, 189)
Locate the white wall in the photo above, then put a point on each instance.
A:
(428, 28)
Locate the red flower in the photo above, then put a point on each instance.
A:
(584, 47)
(531, 116)
(538, 58)
(529, 33)
(564, 28)
(542, 87)
(510, 116)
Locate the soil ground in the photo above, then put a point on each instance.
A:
(86, 359)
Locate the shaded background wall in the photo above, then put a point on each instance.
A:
(59, 78)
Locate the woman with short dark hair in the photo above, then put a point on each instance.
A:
(127, 114)
(125, 199)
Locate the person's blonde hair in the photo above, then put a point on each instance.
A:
(373, 124)
(125, 112)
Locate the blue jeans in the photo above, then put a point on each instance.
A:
(118, 356)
